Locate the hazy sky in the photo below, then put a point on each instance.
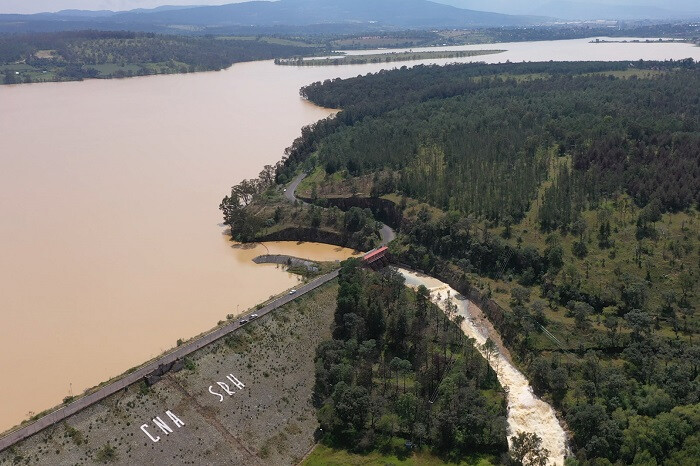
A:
(37, 6)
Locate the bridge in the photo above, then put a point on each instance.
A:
(377, 258)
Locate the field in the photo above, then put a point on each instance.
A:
(274, 40)
(24, 72)
(325, 456)
(375, 42)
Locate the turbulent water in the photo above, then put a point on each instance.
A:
(526, 412)
(110, 242)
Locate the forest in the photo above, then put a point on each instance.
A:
(71, 56)
(565, 196)
(637, 134)
(399, 368)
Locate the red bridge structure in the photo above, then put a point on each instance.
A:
(377, 258)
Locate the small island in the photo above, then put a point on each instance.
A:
(382, 57)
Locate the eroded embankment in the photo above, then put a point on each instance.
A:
(526, 412)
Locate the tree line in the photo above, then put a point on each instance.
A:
(75, 53)
(398, 367)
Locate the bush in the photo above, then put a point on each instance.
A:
(189, 364)
(107, 454)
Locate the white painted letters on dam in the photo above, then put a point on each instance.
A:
(227, 389)
(162, 425)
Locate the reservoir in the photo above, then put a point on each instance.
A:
(111, 246)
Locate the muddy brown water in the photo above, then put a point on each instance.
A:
(110, 247)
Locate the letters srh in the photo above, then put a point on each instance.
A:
(227, 388)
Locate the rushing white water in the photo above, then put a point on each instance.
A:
(526, 412)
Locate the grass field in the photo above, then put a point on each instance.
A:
(108, 69)
(273, 40)
(326, 456)
(378, 42)
(630, 73)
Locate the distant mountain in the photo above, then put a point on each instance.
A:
(163, 8)
(81, 13)
(357, 14)
(402, 13)
(577, 10)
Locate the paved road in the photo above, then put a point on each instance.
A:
(386, 233)
(290, 191)
(180, 352)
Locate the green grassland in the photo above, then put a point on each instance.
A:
(110, 69)
(396, 455)
(275, 40)
(377, 42)
(626, 74)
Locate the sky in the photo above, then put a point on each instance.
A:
(38, 6)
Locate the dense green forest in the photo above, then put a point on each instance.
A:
(70, 56)
(398, 367)
(639, 134)
(568, 194)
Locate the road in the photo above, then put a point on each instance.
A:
(180, 352)
(290, 191)
(386, 233)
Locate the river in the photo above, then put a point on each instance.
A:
(110, 242)
(526, 412)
